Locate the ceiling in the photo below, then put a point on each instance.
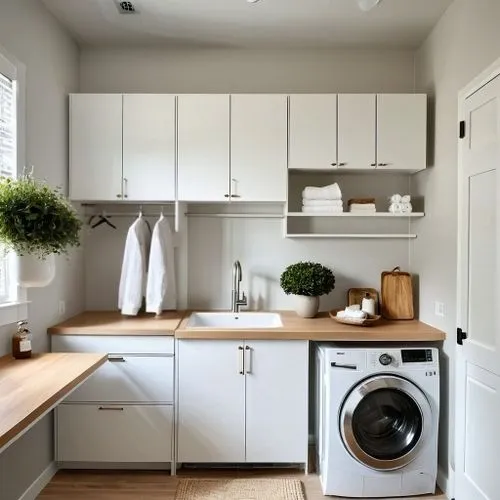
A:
(238, 24)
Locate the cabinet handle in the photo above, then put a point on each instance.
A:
(116, 359)
(249, 360)
(226, 196)
(118, 195)
(342, 164)
(111, 408)
(241, 356)
(333, 164)
(383, 164)
(373, 164)
(235, 196)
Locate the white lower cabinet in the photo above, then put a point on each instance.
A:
(243, 401)
(124, 413)
(114, 433)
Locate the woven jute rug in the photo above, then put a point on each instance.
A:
(240, 489)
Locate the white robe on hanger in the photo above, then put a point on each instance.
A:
(134, 268)
(161, 293)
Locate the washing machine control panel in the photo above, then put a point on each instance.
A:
(399, 357)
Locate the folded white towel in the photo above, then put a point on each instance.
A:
(354, 314)
(396, 208)
(322, 209)
(367, 207)
(406, 198)
(331, 192)
(406, 208)
(321, 203)
(395, 198)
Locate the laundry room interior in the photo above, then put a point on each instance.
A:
(249, 249)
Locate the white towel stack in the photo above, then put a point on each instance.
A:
(400, 204)
(327, 199)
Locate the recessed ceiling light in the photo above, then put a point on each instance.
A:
(253, 1)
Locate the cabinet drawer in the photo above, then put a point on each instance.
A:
(114, 433)
(130, 379)
(113, 344)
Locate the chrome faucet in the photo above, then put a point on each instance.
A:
(236, 302)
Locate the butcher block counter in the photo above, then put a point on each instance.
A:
(113, 323)
(321, 329)
(30, 388)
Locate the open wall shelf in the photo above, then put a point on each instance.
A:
(407, 236)
(389, 215)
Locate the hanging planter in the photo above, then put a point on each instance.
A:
(36, 222)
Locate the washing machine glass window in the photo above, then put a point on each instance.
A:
(384, 421)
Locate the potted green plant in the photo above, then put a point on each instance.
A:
(36, 222)
(307, 281)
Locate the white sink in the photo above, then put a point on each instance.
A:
(234, 321)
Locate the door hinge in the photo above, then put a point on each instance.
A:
(462, 129)
(461, 336)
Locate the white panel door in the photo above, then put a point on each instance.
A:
(149, 147)
(357, 131)
(478, 360)
(95, 165)
(277, 379)
(258, 148)
(313, 131)
(114, 433)
(203, 147)
(211, 401)
(401, 131)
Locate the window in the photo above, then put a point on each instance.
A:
(8, 160)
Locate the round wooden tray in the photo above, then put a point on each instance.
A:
(369, 321)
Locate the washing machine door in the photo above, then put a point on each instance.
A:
(384, 422)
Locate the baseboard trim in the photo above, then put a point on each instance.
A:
(443, 482)
(40, 482)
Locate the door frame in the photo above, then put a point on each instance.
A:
(476, 84)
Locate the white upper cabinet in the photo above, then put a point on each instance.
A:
(148, 147)
(356, 131)
(95, 170)
(313, 131)
(258, 148)
(203, 147)
(401, 131)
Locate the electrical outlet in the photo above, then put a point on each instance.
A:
(439, 309)
(62, 307)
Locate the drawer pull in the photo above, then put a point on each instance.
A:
(116, 359)
(111, 408)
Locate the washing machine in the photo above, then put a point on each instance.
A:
(377, 420)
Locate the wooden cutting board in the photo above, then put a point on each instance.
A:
(396, 295)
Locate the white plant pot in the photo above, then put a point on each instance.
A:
(34, 272)
(306, 307)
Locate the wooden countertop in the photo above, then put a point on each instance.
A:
(321, 328)
(30, 388)
(113, 323)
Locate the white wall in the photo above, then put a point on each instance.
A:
(464, 42)
(30, 34)
(215, 244)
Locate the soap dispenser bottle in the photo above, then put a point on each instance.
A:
(21, 341)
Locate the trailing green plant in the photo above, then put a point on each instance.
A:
(307, 278)
(36, 219)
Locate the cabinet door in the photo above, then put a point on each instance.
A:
(95, 166)
(258, 148)
(211, 404)
(203, 147)
(313, 131)
(276, 400)
(401, 131)
(356, 131)
(114, 433)
(149, 147)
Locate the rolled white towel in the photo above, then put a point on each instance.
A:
(331, 192)
(395, 198)
(349, 313)
(322, 209)
(406, 198)
(396, 208)
(406, 208)
(363, 207)
(321, 203)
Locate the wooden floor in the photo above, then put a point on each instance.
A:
(125, 485)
